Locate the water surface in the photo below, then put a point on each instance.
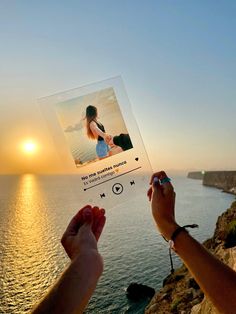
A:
(34, 212)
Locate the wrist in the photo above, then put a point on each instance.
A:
(91, 258)
(168, 231)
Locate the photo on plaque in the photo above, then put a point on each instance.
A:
(93, 126)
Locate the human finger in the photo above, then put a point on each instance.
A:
(87, 216)
(157, 192)
(77, 220)
(149, 193)
(167, 188)
(95, 210)
(102, 211)
(159, 174)
(100, 226)
(99, 213)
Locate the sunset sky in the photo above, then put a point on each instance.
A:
(177, 60)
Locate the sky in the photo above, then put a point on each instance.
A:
(177, 60)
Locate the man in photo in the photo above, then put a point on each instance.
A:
(122, 140)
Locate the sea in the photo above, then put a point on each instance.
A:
(34, 212)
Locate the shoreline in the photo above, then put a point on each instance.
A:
(180, 292)
(223, 180)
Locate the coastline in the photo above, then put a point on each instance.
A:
(223, 180)
(180, 292)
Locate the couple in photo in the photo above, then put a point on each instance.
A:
(107, 145)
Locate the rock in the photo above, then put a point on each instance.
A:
(137, 291)
(225, 227)
(205, 307)
(174, 305)
(164, 296)
(194, 302)
(230, 240)
(225, 180)
(196, 309)
(189, 294)
(198, 294)
(154, 308)
(167, 280)
(172, 278)
(193, 284)
(181, 293)
(167, 289)
(197, 175)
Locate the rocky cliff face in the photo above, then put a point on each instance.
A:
(198, 175)
(180, 293)
(225, 180)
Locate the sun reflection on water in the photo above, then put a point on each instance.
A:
(28, 252)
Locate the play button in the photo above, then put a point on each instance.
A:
(117, 188)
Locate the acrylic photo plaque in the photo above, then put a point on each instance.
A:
(98, 139)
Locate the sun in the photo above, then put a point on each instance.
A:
(29, 147)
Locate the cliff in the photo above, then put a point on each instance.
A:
(198, 175)
(225, 180)
(180, 292)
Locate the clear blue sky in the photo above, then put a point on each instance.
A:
(177, 59)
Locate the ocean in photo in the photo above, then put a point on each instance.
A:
(34, 212)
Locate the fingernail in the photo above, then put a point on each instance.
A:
(155, 180)
(87, 212)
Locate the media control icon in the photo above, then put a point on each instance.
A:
(132, 182)
(102, 195)
(117, 188)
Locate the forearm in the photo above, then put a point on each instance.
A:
(216, 279)
(75, 287)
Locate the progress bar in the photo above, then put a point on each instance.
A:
(112, 178)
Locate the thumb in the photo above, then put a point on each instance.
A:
(157, 192)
